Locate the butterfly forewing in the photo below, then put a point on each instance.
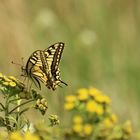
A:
(53, 56)
(57, 57)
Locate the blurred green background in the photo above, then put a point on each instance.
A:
(102, 47)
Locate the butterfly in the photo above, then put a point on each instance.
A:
(42, 66)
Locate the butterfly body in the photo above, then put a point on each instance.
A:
(42, 66)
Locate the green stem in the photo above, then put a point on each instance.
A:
(14, 100)
(2, 106)
(21, 105)
(7, 114)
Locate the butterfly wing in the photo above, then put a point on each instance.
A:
(53, 56)
(34, 69)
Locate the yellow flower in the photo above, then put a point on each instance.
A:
(12, 78)
(82, 94)
(90, 106)
(6, 79)
(70, 98)
(1, 75)
(77, 128)
(87, 129)
(16, 136)
(12, 84)
(99, 110)
(94, 92)
(77, 119)
(29, 136)
(93, 107)
(107, 123)
(82, 91)
(69, 106)
(114, 118)
(82, 97)
(128, 127)
(5, 83)
(103, 99)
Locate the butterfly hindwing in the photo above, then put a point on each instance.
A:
(33, 68)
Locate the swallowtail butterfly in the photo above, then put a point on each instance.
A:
(42, 66)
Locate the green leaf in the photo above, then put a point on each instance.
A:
(2, 122)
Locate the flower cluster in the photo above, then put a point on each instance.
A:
(54, 120)
(42, 105)
(92, 116)
(80, 127)
(26, 136)
(89, 100)
(10, 85)
(16, 96)
(19, 136)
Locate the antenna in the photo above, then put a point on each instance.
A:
(21, 65)
(16, 63)
(64, 83)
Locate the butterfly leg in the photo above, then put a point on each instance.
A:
(30, 87)
(24, 79)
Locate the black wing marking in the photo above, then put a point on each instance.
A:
(53, 56)
(34, 69)
(57, 57)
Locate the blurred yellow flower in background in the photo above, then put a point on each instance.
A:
(77, 128)
(15, 136)
(90, 106)
(82, 97)
(128, 127)
(99, 110)
(26, 136)
(82, 91)
(103, 99)
(83, 94)
(29, 136)
(87, 129)
(94, 92)
(114, 118)
(93, 107)
(69, 105)
(1, 75)
(70, 98)
(107, 123)
(70, 102)
(77, 119)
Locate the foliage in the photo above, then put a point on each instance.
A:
(92, 117)
(16, 101)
